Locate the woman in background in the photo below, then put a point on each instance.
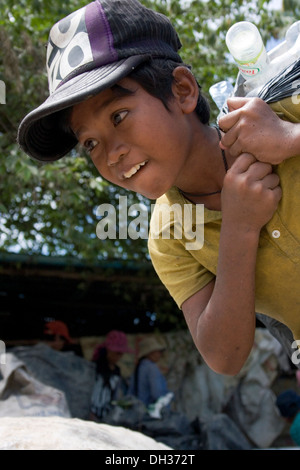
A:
(147, 383)
(109, 385)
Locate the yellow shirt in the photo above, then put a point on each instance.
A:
(185, 271)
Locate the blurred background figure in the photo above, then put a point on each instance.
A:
(288, 403)
(109, 385)
(147, 382)
(56, 335)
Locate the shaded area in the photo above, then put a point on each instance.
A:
(90, 299)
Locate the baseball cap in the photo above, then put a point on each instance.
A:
(88, 51)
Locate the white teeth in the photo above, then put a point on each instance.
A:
(131, 172)
(134, 170)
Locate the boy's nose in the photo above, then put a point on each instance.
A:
(115, 154)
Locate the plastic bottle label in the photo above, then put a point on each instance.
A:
(254, 66)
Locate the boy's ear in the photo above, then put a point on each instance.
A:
(185, 89)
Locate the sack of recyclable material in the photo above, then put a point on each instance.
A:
(23, 395)
(280, 79)
(284, 84)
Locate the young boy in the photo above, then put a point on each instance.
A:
(120, 89)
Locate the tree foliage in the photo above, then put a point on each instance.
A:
(51, 208)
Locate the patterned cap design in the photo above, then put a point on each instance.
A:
(88, 51)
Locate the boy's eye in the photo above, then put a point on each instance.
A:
(90, 144)
(118, 117)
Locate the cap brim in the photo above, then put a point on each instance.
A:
(40, 134)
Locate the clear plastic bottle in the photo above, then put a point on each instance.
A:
(220, 92)
(247, 48)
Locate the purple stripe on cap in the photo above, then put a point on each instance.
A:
(100, 35)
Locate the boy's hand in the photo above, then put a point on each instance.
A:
(250, 194)
(252, 127)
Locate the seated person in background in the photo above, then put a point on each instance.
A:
(147, 382)
(57, 336)
(109, 385)
(288, 403)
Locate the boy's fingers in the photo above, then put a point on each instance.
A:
(229, 120)
(271, 181)
(261, 171)
(242, 163)
(248, 163)
(237, 103)
(228, 140)
(277, 191)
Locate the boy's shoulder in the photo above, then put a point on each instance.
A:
(288, 108)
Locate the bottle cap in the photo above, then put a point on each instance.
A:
(244, 41)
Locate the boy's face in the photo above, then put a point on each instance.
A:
(133, 140)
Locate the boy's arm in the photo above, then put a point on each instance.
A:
(253, 127)
(221, 317)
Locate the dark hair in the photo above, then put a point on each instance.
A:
(155, 77)
(102, 366)
(288, 403)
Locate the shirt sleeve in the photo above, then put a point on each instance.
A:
(175, 261)
(178, 270)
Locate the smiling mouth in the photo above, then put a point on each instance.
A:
(134, 170)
